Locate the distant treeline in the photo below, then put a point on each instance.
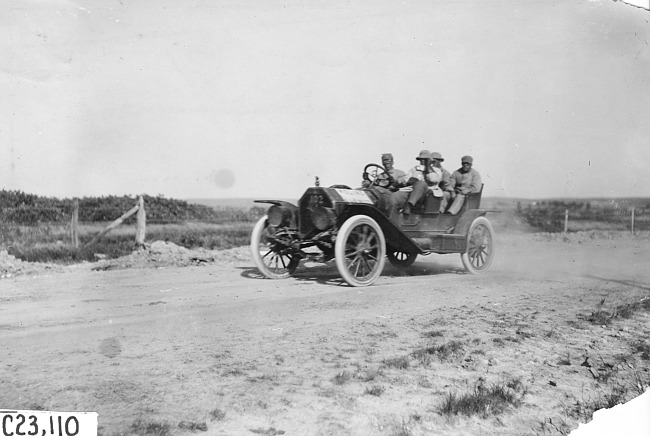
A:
(17, 207)
(549, 215)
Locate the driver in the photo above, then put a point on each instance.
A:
(385, 185)
(392, 179)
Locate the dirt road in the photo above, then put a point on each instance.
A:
(149, 348)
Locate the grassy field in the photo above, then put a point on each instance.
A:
(226, 226)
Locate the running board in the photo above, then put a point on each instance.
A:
(442, 243)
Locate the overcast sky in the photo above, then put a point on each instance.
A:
(253, 98)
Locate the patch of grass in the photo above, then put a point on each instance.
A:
(576, 324)
(621, 311)
(383, 335)
(524, 334)
(443, 352)
(433, 334)
(142, 428)
(397, 363)
(261, 378)
(584, 409)
(551, 334)
(341, 377)
(375, 390)
(485, 400)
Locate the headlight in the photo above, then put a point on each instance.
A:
(278, 216)
(323, 217)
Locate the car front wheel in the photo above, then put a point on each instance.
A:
(272, 258)
(360, 250)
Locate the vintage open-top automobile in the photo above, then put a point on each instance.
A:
(349, 226)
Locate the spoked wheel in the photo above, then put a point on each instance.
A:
(480, 246)
(360, 250)
(273, 259)
(401, 259)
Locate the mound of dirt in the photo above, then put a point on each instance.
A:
(11, 266)
(163, 254)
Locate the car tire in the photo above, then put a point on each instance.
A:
(479, 254)
(266, 254)
(360, 250)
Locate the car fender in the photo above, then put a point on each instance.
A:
(466, 219)
(395, 237)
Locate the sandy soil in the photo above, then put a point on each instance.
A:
(211, 341)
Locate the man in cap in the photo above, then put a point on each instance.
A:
(387, 183)
(397, 177)
(465, 180)
(445, 181)
(419, 179)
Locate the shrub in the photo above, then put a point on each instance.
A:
(485, 400)
(443, 352)
(27, 209)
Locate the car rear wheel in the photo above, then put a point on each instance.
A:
(360, 250)
(479, 254)
(401, 259)
(273, 259)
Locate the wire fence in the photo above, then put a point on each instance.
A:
(563, 219)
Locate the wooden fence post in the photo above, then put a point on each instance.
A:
(633, 220)
(114, 224)
(74, 225)
(566, 221)
(141, 224)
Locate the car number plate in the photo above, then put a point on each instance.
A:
(44, 423)
(352, 196)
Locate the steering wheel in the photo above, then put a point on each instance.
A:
(378, 176)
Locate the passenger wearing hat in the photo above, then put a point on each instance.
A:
(465, 180)
(445, 182)
(419, 179)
